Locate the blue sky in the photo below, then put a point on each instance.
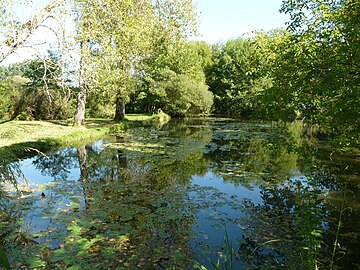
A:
(225, 19)
(220, 20)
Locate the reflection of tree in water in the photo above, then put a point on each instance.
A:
(272, 155)
(15, 204)
(295, 227)
(338, 173)
(11, 174)
(84, 174)
(250, 154)
(57, 164)
(342, 234)
(121, 161)
(285, 230)
(137, 213)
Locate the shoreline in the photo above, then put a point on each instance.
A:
(23, 138)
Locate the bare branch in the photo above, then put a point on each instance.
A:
(11, 44)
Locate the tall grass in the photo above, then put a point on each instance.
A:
(225, 260)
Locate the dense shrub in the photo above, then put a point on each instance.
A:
(181, 95)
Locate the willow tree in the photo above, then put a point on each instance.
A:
(176, 84)
(173, 71)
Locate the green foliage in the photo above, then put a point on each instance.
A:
(100, 104)
(10, 20)
(176, 82)
(309, 72)
(118, 47)
(278, 102)
(117, 53)
(177, 20)
(10, 91)
(180, 95)
(237, 76)
(33, 90)
(316, 74)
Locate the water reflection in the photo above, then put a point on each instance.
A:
(166, 198)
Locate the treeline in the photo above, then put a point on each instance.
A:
(311, 71)
(142, 61)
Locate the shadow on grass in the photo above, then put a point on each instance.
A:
(5, 121)
(98, 123)
(24, 150)
(65, 123)
(89, 123)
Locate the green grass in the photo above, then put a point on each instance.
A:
(27, 136)
(16, 132)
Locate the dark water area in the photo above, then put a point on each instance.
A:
(192, 194)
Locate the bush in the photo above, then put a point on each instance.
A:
(10, 91)
(180, 95)
(39, 104)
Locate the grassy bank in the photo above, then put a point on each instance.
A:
(27, 136)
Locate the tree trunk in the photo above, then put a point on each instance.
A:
(80, 108)
(82, 157)
(81, 99)
(9, 45)
(120, 106)
(122, 161)
(84, 174)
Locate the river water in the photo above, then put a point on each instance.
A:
(192, 194)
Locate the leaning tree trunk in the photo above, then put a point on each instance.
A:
(9, 45)
(120, 106)
(81, 99)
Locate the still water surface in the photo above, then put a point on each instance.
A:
(210, 193)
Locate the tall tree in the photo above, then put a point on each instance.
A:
(172, 74)
(176, 81)
(83, 83)
(324, 54)
(237, 76)
(118, 37)
(122, 34)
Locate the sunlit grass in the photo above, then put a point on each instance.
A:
(24, 131)
(16, 132)
(139, 117)
(63, 132)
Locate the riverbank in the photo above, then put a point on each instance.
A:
(29, 136)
